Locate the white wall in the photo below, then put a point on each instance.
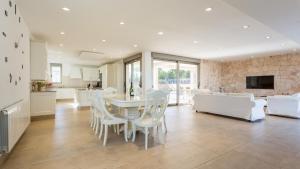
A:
(14, 64)
(119, 78)
(113, 75)
(18, 64)
(146, 71)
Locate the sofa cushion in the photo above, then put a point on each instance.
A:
(201, 91)
(297, 95)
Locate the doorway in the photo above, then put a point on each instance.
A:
(178, 77)
(133, 75)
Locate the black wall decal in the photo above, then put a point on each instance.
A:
(16, 45)
(13, 56)
(10, 78)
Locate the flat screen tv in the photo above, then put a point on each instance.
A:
(260, 82)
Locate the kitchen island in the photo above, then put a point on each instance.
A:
(83, 96)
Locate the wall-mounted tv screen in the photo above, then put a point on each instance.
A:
(260, 82)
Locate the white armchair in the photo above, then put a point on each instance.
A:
(284, 105)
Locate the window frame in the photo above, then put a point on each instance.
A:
(56, 65)
(129, 61)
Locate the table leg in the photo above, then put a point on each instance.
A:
(131, 113)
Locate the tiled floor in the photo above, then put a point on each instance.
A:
(194, 140)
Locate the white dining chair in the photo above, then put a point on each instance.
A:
(95, 116)
(167, 92)
(152, 117)
(93, 111)
(107, 119)
(164, 107)
(137, 91)
(110, 92)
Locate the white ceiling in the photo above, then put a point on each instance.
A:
(219, 33)
(281, 15)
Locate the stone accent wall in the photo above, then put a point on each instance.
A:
(210, 75)
(285, 68)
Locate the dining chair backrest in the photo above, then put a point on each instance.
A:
(100, 106)
(149, 91)
(165, 102)
(110, 91)
(137, 91)
(155, 102)
(94, 97)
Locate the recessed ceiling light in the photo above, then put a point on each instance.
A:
(135, 45)
(94, 49)
(195, 42)
(122, 23)
(268, 37)
(62, 33)
(61, 45)
(65, 9)
(208, 9)
(160, 33)
(103, 40)
(246, 26)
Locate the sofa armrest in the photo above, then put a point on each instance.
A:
(260, 102)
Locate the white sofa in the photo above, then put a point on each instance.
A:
(201, 91)
(284, 105)
(237, 105)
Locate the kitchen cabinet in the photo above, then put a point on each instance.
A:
(90, 74)
(42, 103)
(38, 60)
(75, 72)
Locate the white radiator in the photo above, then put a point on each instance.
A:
(13, 122)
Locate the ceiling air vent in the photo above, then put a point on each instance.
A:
(91, 55)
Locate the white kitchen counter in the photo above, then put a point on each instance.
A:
(64, 93)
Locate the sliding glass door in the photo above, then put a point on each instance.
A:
(165, 77)
(180, 78)
(188, 81)
(133, 76)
